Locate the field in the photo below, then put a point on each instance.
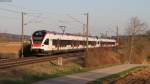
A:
(9, 49)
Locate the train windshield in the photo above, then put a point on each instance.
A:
(38, 36)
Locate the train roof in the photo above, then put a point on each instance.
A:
(101, 39)
(58, 33)
(107, 40)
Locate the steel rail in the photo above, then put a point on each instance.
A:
(27, 61)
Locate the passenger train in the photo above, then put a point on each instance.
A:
(43, 41)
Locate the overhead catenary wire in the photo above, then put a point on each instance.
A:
(21, 8)
(8, 17)
(76, 20)
(20, 11)
(27, 14)
(9, 10)
(34, 13)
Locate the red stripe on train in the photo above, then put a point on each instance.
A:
(36, 44)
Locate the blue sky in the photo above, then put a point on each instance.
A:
(104, 15)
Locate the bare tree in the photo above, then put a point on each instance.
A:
(135, 27)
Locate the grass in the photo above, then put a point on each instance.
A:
(113, 77)
(27, 79)
(31, 77)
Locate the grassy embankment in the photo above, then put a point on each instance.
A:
(34, 73)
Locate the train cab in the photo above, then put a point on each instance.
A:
(39, 41)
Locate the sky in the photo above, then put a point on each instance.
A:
(104, 15)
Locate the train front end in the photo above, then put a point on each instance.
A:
(37, 40)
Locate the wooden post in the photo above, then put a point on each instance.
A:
(60, 61)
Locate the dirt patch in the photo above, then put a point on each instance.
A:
(141, 77)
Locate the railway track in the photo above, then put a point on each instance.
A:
(4, 64)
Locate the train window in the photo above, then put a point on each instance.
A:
(37, 39)
(38, 36)
(46, 42)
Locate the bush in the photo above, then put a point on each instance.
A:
(100, 56)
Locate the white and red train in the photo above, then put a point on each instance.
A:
(49, 42)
